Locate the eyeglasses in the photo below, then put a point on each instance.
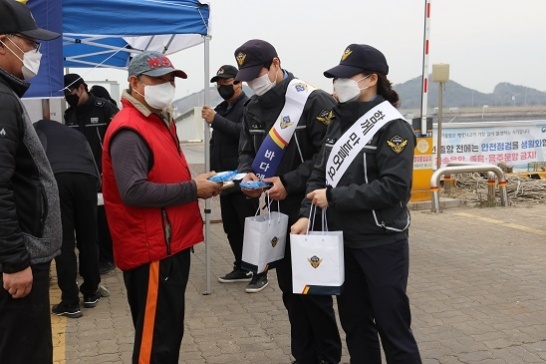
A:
(35, 45)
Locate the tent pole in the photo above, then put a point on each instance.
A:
(206, 101)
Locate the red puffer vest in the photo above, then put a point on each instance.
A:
(141, 234)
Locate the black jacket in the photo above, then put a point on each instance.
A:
(67, 149)
(299, 157)
(91, 119)
(369, 204)
(224, 142)
(30, 217)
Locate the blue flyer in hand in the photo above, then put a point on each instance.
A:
(255, 185)
(222, 177)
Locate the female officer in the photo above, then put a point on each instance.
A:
(363, 176)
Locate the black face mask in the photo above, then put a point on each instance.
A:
(72, 99)
(226, 91)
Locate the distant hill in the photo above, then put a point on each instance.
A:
(455, 96)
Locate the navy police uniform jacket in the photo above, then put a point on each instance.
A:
(91, 119)
(369, 204)
(224, 142)
(299, 156)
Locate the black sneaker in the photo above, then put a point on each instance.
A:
(237, 275)
(91, 300)
(257, 284)
(62, 309)
(106, 267)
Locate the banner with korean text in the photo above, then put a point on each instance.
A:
(517, 144)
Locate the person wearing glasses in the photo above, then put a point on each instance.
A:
(30, 217)
(91, 115)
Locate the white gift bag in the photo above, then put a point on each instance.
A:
(318, 264)
(264, 240)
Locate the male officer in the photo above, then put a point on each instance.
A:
(289, 112)
(91, 115)
(226, 120)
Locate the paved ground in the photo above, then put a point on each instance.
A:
(477, 288)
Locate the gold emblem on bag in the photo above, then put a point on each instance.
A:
(314, 261)
(241, 58)
(274, 241)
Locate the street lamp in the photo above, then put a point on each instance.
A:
(440, 73)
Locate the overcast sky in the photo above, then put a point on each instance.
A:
(484, 41)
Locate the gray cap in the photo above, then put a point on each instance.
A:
(153, 64)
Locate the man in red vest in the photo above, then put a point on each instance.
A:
(151, 205)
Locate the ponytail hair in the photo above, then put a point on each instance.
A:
(384, 88)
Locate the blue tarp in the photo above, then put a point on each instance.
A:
(104, 33)
(49, 81)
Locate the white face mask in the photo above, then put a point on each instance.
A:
(31, 61)
(159, 97)
(347, 89)
(262, 84)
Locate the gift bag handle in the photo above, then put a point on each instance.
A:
(268, 205)
(311, 222)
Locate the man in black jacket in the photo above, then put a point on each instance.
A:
(78, 179)
(226, 120)
(314, 333)
(30, 218)
(91, 115)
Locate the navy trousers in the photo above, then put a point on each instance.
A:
(374, 301)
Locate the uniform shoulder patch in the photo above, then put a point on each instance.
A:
(325, 116)
(397, 144)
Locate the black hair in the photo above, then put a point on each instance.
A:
(268, 64)
(103, 93)
(384, 88)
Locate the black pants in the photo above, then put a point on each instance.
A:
(375, 289)
(235, 207)
(156, 292)
(106, 254)
(78, 196)
(25, 334)
(313, 327)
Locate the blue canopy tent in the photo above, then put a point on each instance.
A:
(105, 33)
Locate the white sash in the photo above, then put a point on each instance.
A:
(345, 150)
(272, 148)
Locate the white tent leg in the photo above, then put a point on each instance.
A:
(206, 101)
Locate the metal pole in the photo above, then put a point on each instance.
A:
(206, 97)
(478, 167)
(439, 134)
(424, 76)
